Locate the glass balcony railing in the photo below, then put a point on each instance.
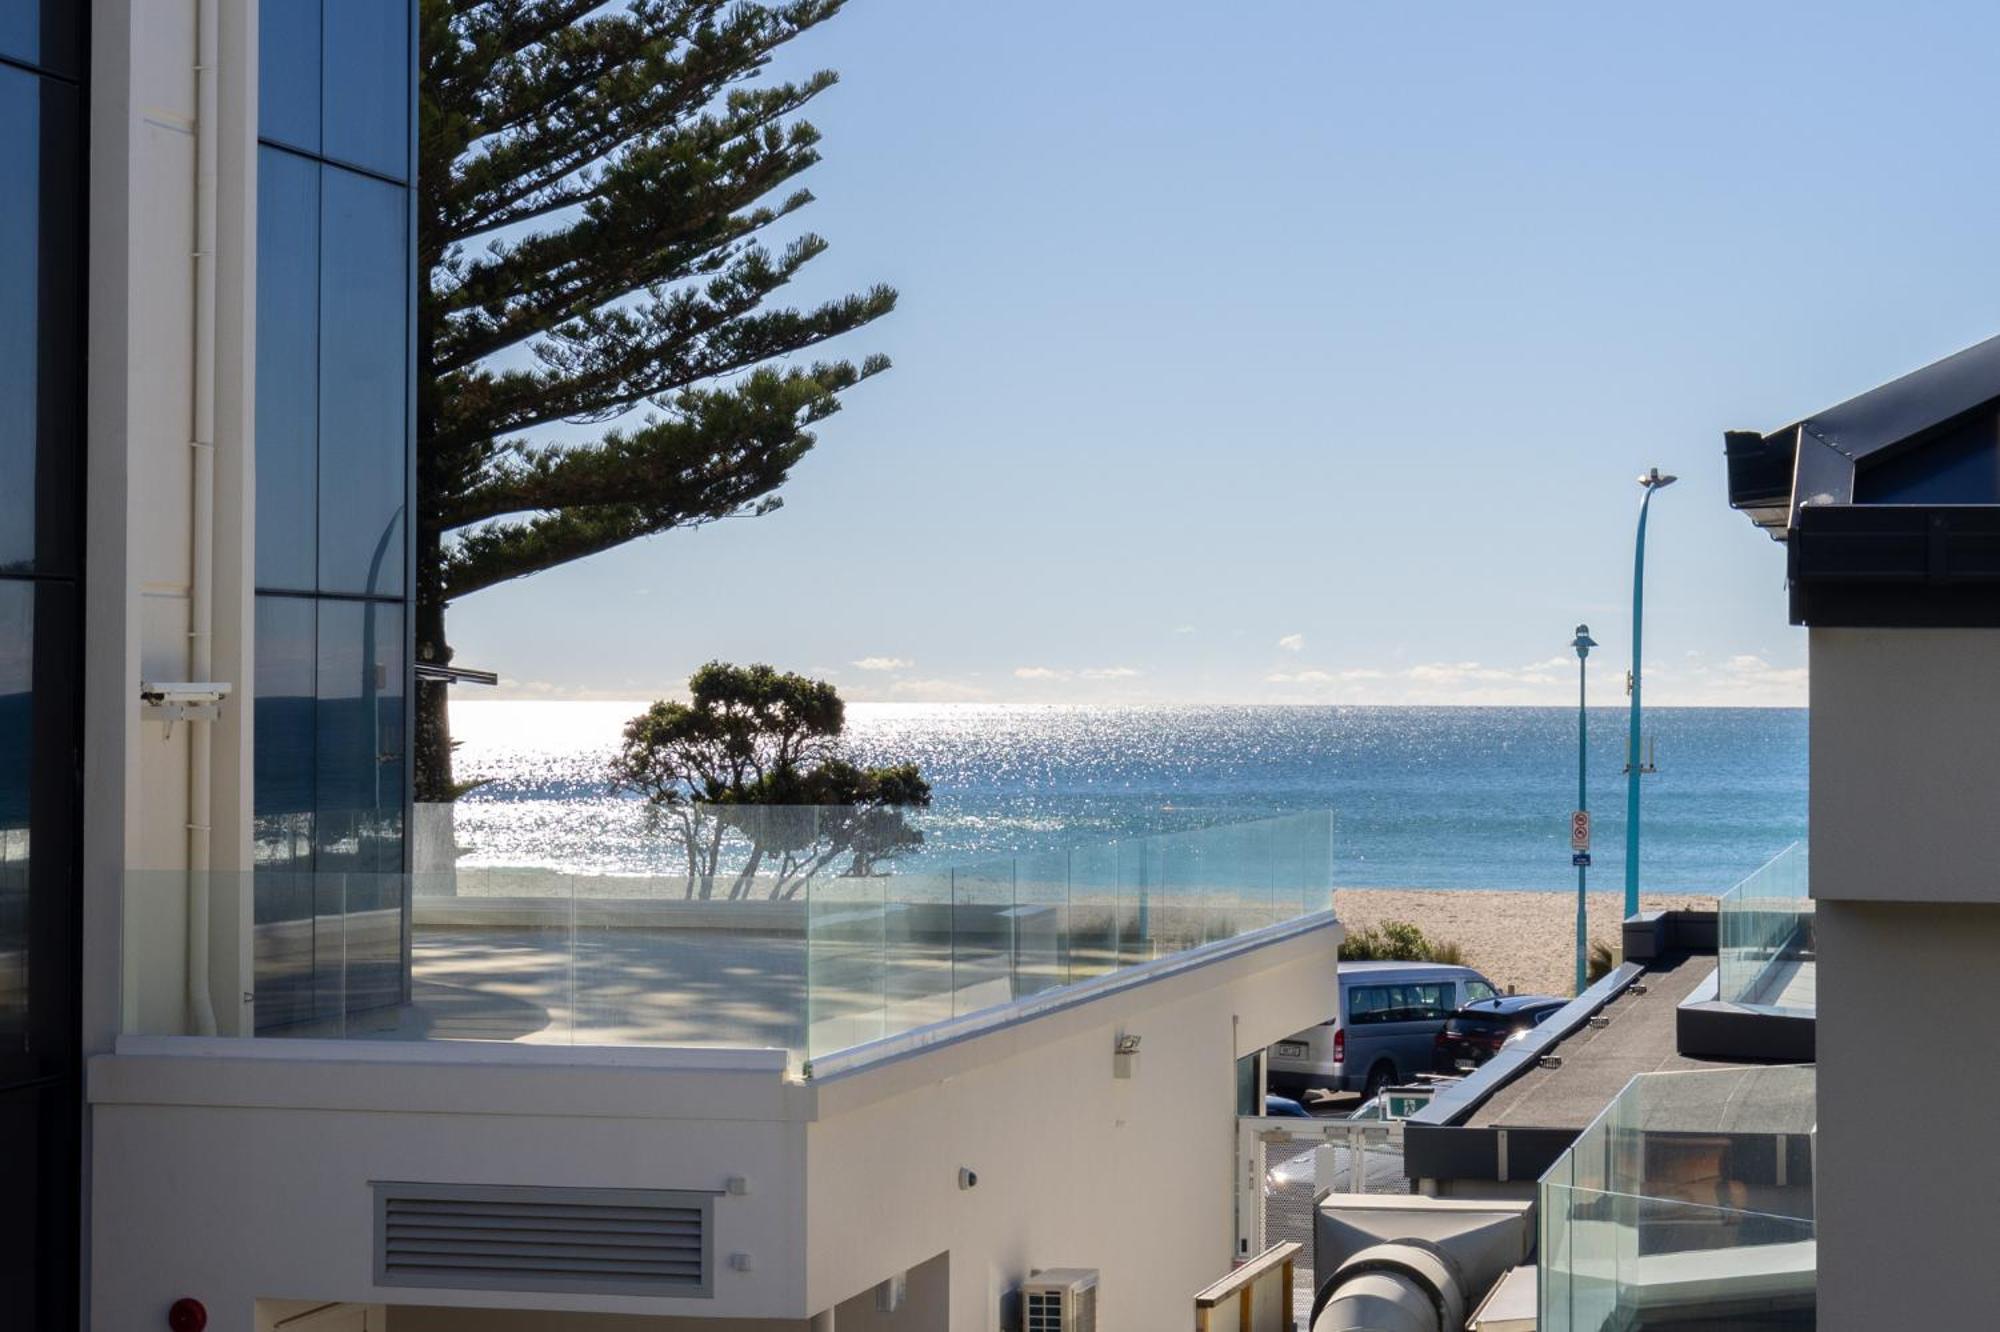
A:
(1764, 943)
(1689, 1202)
(786, 928)
(1618, 1260)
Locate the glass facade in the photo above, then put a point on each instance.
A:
(41, 447)
(334, 440)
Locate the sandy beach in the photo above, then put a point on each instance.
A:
(1523, 939)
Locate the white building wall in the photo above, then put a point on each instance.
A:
(238, 1171)
(1077, 1167)
(140, 498)
(1906, 765)
(232, 1179)
(1906, 843)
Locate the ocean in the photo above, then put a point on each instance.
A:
(1423, 797)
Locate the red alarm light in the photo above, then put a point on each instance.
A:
(187, 1316)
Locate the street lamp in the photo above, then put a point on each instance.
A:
(1653, 480)
(1580, 827)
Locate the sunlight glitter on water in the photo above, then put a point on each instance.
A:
(1468, 797)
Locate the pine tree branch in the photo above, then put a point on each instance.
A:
(621, 242)
(720, 450)
(607, 367)
(618, 172)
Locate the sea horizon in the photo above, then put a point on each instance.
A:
(1448, 796)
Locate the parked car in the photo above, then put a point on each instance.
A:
(1476, 1032)
(1390, 1015)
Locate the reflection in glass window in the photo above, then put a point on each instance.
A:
(21, 30)
(367, 85)
(46, 33)
(17, 637)
(286, 730)
(364, 384)
(288, 64)
(359, 745)
(20, 205)
(360, 811)
(287, 370)
(333, 455)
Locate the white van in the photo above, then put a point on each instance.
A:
(1390, 1015)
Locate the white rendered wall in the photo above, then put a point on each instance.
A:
(1907, 1165)
(140, 478)
(1906, 844)
(236, 1172)
(1077, 1168)
(233, 1179)
(1906, 765)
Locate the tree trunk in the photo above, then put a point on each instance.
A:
(432, 761)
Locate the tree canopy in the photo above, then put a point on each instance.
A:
(598, 360)
(758, 754)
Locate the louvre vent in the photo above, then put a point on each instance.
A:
(482, 1237)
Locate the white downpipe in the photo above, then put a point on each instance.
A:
(201, 590)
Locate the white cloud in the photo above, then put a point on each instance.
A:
(938, 691)
(1183, 628)
(1293, 642)
(1472, 672)
(1742, 679)
(1087, 673)
(885, 663)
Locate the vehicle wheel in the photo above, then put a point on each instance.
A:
(1379, 1077)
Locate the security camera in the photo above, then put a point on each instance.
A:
(169, 694)
(968, 1178)
(179, 700)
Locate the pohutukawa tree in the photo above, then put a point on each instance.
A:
(594, 186)
(757, 756)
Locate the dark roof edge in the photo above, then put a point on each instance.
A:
(1453, 1105)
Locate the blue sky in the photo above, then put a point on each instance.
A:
(1307, 351)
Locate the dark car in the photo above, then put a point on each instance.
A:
(1475, 1033)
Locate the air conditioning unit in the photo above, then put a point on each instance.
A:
(1060, 1299)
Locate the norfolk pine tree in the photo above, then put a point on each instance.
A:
(593, 186)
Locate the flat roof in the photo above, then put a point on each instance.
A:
(1597, 1062)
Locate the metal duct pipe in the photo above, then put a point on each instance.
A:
(1408, 1286)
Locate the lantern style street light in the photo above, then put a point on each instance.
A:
(1583, 643)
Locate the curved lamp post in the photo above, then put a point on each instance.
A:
(1583, 643)
(1653, 481)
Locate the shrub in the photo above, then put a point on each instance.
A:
(1398, 941)
(1602, 959)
